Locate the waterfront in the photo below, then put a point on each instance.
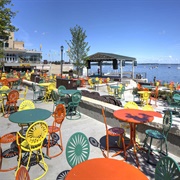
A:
(162, 72)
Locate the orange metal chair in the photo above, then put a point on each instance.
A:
(114, 131)
(13, 96)
(59, 116)
(8, 153)
(22, 174)
(154, 96)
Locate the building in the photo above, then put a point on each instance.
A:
(17, 57)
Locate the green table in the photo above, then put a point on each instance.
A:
(115, 87)
(29, 116)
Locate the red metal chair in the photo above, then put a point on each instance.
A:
(154, 96)
(13, 96)
(53, 139)
(114, 131)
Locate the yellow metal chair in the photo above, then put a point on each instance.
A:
(144, 98)
(30, 144)
(50, 88)
(24, 94)
(110, 91)
(2, 103)
(91, 83)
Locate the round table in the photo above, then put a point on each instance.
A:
(29, 116)
(106, 169)
(135, 117)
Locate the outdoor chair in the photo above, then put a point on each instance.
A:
(16, 85)
(154, 96)
(56, 100)
(167, 169)
(12, 99)
(61, 95)
(144, 98)
(49, 89)
(161, 136)
(2, 103)
(25, 105)
(77, 151)
(110, 91)
(36, 91)
(22, 174)
(8, 153)
(121, 92)
(24, 94)
(54, 131)
(5, 82)
(114, 131)
(31, 146)
(72, 108)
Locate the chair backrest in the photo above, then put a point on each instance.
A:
(25, 105)
(5, 82)
(22, 174)
(145, 96)
(36, 134)
(167, 168)
(59, 114)
(61, 88)
(176, 96)
(131, 105)
(54, 95)
(77, 149)
(51, 87)
(76, 97)
(33, 87)
(167, 122)
(13, 96)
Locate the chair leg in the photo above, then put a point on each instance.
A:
(149, 150)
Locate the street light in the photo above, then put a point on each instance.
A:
(62, 48)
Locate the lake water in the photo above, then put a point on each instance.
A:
(162, 72)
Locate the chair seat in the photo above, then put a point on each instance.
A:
(7, 138)
(154, 134)
(52, 129)
(115, 131)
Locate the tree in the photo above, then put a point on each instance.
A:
(5, 22)
(78, 48)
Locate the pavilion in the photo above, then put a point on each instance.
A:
(111, 59)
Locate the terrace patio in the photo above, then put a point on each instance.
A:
(91, 125)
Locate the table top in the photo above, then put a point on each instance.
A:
(44, 84)
(12, 79)
(106, 169)
(114, 86)
(69, 91)
(29, 116)
(176, 98)
(136, 115)
(148, 86)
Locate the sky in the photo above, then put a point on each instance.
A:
(148, 30)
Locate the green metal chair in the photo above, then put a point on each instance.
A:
(56, 100)
(167, 169)
(162, 136)
(77, 151)
(72, 108)
(59, 91)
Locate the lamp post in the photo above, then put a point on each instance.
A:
(62, 48)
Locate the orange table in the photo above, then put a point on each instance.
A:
(106, 169)
(135, 117)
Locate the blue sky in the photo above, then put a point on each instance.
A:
(148, 30)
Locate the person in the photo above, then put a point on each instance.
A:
(98, 71)
(154, 80)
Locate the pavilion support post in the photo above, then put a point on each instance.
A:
(101, 68)
(133, 70)
(121, 67)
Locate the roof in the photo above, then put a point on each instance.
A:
(100, 56)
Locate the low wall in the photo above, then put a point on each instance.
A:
(92, 108)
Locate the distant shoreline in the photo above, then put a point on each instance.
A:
(159, 63)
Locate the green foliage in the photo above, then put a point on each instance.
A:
(5, 22)
(78, 48)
